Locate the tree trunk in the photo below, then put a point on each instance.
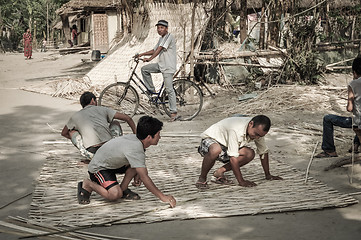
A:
(30, 24)
(66, 28)
(47, 21)
(274, 25)
(1, 22)
(327, 25)
(124, 22)
(35, 43)
(243, 26)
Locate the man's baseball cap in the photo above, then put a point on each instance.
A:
(163, 23)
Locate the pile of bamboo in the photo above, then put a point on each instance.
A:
(70, 87)
(284, 98)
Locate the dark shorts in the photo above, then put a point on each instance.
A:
(204, 148)
(107, 178)
(93, 149)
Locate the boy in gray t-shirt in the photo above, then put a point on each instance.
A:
(124, 155)
(94, 125)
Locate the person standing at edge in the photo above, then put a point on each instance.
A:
(27, 39)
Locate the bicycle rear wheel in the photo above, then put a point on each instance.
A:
(189, 99)
(121, 97)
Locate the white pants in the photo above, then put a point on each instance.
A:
(168, 83)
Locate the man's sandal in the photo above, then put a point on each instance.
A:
(326, 155)
(202, 185)
(173, 119)
(221, 180)
(83, 195)
(130, 195)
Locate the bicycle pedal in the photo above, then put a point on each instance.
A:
(153, 99)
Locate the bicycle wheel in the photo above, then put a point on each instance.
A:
(121, 97)
(189, 99)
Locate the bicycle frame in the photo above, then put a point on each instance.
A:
(142, 87)
(189, 97)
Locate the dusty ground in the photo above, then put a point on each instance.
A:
(296, 113)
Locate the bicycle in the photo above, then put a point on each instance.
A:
(123, 96)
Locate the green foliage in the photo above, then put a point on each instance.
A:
(303, 65)
(17, 15)
(341, 21)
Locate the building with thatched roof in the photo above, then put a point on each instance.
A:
(98, 21)
(102, 23)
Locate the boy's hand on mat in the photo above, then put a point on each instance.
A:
(247, 183)
(170, 199)
(137, 182)
(271, 177)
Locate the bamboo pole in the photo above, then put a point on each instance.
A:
(310, 162)
(262, 30)
(236, 64)
(336, 63)
(183, 73)
(264, 53)
(7, 204)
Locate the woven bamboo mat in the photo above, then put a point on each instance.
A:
(174, 172)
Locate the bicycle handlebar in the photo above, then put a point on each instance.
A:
(136, 58)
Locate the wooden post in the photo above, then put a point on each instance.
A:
(184, 25)
(118, 32)
(192, 39)
(353, 27)
(243, 26)
(262, 28)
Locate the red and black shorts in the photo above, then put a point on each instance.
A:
(107, 178)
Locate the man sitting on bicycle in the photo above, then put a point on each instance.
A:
(167, 50)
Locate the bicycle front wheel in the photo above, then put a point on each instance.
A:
(121, 97)
(189, 99)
